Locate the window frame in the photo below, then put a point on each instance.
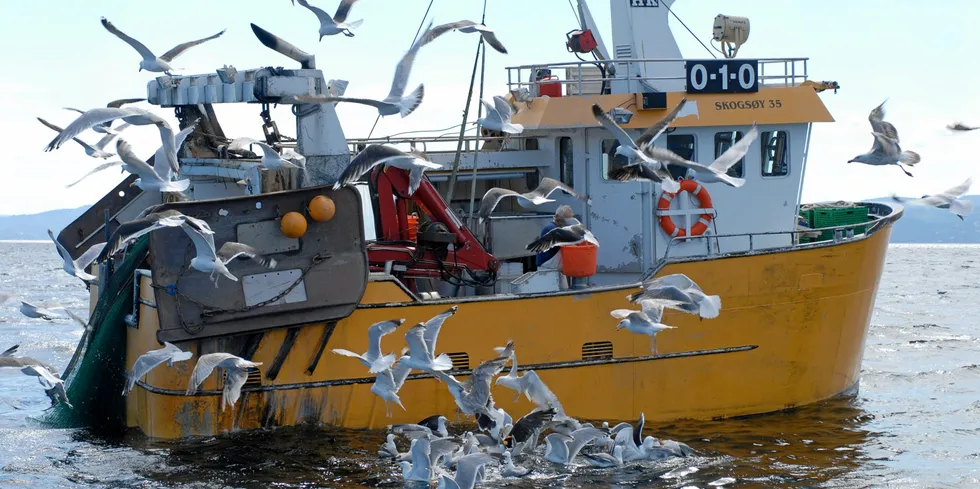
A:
(764, 156)
(566, 168)
(693, 157)
(740, 164)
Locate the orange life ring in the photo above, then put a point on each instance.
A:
(704, 202)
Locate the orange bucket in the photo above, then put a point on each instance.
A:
(413, 227)
(579, 260)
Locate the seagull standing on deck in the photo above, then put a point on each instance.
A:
(376, 154)
(150, 61)
(885, 150)
(337, 24)
(946, 200)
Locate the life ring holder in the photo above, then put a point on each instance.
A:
(699, 192)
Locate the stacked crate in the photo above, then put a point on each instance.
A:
(834, 216)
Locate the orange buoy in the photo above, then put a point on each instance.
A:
(293, 225)
(322, 208)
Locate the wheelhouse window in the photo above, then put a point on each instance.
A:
(683, 146)
(724, 141)
(565, 168)
(775, 153)
(610, 160)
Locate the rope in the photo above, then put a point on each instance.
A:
(479, 113)
(689, 30)
(209, 311)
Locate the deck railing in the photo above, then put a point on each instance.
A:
(581, 77)
(841, 233)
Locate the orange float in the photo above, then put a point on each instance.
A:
(321, 208)
(293, 225)
(704, 201)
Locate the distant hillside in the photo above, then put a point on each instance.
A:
(35, 226)
(921, 224)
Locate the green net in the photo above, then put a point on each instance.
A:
(96, 374)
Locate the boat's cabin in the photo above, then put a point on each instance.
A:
(637, 224)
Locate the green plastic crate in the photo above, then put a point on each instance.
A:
(838, 216)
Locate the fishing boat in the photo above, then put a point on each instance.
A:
(797, 281)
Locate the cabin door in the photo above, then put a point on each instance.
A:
(620, 217)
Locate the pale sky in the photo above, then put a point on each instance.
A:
(56, 53)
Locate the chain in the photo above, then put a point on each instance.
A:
(269, 126)
(209, 311)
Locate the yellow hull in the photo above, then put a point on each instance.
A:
(791, 332)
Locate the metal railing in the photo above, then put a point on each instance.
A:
(470, 142)
(772, 72)
(841, 233)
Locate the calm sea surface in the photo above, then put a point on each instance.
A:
(915, 423)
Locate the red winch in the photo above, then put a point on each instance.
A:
(580, 41)
(443, 247)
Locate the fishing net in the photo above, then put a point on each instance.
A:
(96, 373)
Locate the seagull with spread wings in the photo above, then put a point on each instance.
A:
(718, 170)
(148, 178)
(76, 267)
(150, 61)
(498, 117)
(645, 321)
(96, 150)
(150, 360)
(236, 370)
(467, 26)
(885, 150)
(950, 199)
(572, 233)
(376, 154)
(372, 358)
(538, 196)
(337, 24)
(106, 127)
(396, 102)
(639, 151)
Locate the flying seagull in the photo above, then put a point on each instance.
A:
(77, 267)
(959, 126)
(572, 233)
(467, 26)
(375, 154)
(537, 196)
(638, 151)
(98, 149)
(141, 225)
(231, 250)
(53, 386)
(373, 359)
(718, 170)
(677, 291)
(148, 178)
(235, 368)
(645, 321)
(150, 61)
(105, 127)
(396, 102)
(271, 159)
(150, 360)
(498, 116)
(337, 24)
(388, 382)
(885, 150)
(132, 115)
(35, 312)
(946, 200)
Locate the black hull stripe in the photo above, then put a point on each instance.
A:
(457, 373)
